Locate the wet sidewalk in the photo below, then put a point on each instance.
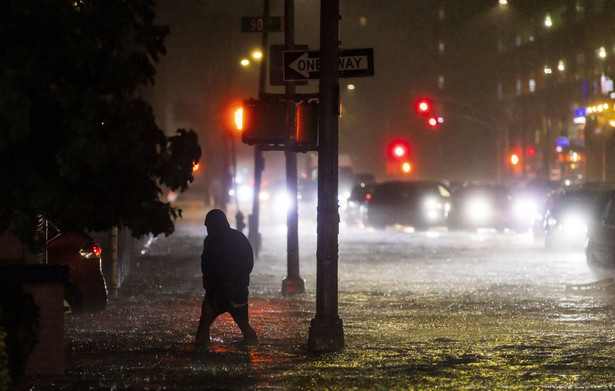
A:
(451, 315)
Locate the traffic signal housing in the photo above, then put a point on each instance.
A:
(399, 158)
(306, 117)
(263, 122)
(515, 162)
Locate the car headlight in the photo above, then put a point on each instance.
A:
(478, 209)
(432, 204)
(574, 223)
(525, 208)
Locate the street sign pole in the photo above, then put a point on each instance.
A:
(293, 283)
(326, 331)
(254, 235)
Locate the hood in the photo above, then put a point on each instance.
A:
(216, 222)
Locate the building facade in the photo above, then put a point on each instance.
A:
(537, 77)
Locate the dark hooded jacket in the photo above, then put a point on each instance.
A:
(227, 259)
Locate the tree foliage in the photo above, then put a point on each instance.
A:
(77, 144)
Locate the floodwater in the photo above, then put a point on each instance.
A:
(421, 310)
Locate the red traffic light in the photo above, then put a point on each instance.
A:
(423, 106)
(399, 149)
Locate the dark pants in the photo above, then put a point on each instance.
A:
(213, 307)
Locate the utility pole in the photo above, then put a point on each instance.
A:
(326, 330)
(293, 283)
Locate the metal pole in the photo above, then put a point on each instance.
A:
(293, 283)
(326, 330)
(259, 161)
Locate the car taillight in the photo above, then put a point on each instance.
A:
(90, 250)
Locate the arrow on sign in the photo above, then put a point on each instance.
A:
(304, 65)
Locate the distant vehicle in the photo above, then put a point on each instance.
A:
(569, 211)
(86, 290)
(600, 248)
(421, 204)
(528, 203)
(355, 212)
(475, 206)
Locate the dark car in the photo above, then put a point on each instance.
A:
(569, 211)
(86, 290)
(421, 204)
(600, 249)
(475, 206)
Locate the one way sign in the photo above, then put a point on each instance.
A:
(305, 64)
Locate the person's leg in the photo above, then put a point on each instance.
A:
(208, 315)
(240, 316)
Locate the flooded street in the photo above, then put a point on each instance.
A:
(420, 310)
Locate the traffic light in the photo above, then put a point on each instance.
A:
(432, 122)
(399, 150)
(263, 122)
(238, 117)
(514, 159)
(399, 157)
(406, 167)
(423, 106)
(515, 162)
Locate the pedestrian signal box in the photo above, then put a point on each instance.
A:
(264, 122)
(307, 124)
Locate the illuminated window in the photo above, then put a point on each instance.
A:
(532, 85)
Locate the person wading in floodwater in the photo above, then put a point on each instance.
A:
(226, 262)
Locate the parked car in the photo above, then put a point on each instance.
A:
(421, 204)
(86, 289)
(475, 206)
(600, 248)
(569, 211)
